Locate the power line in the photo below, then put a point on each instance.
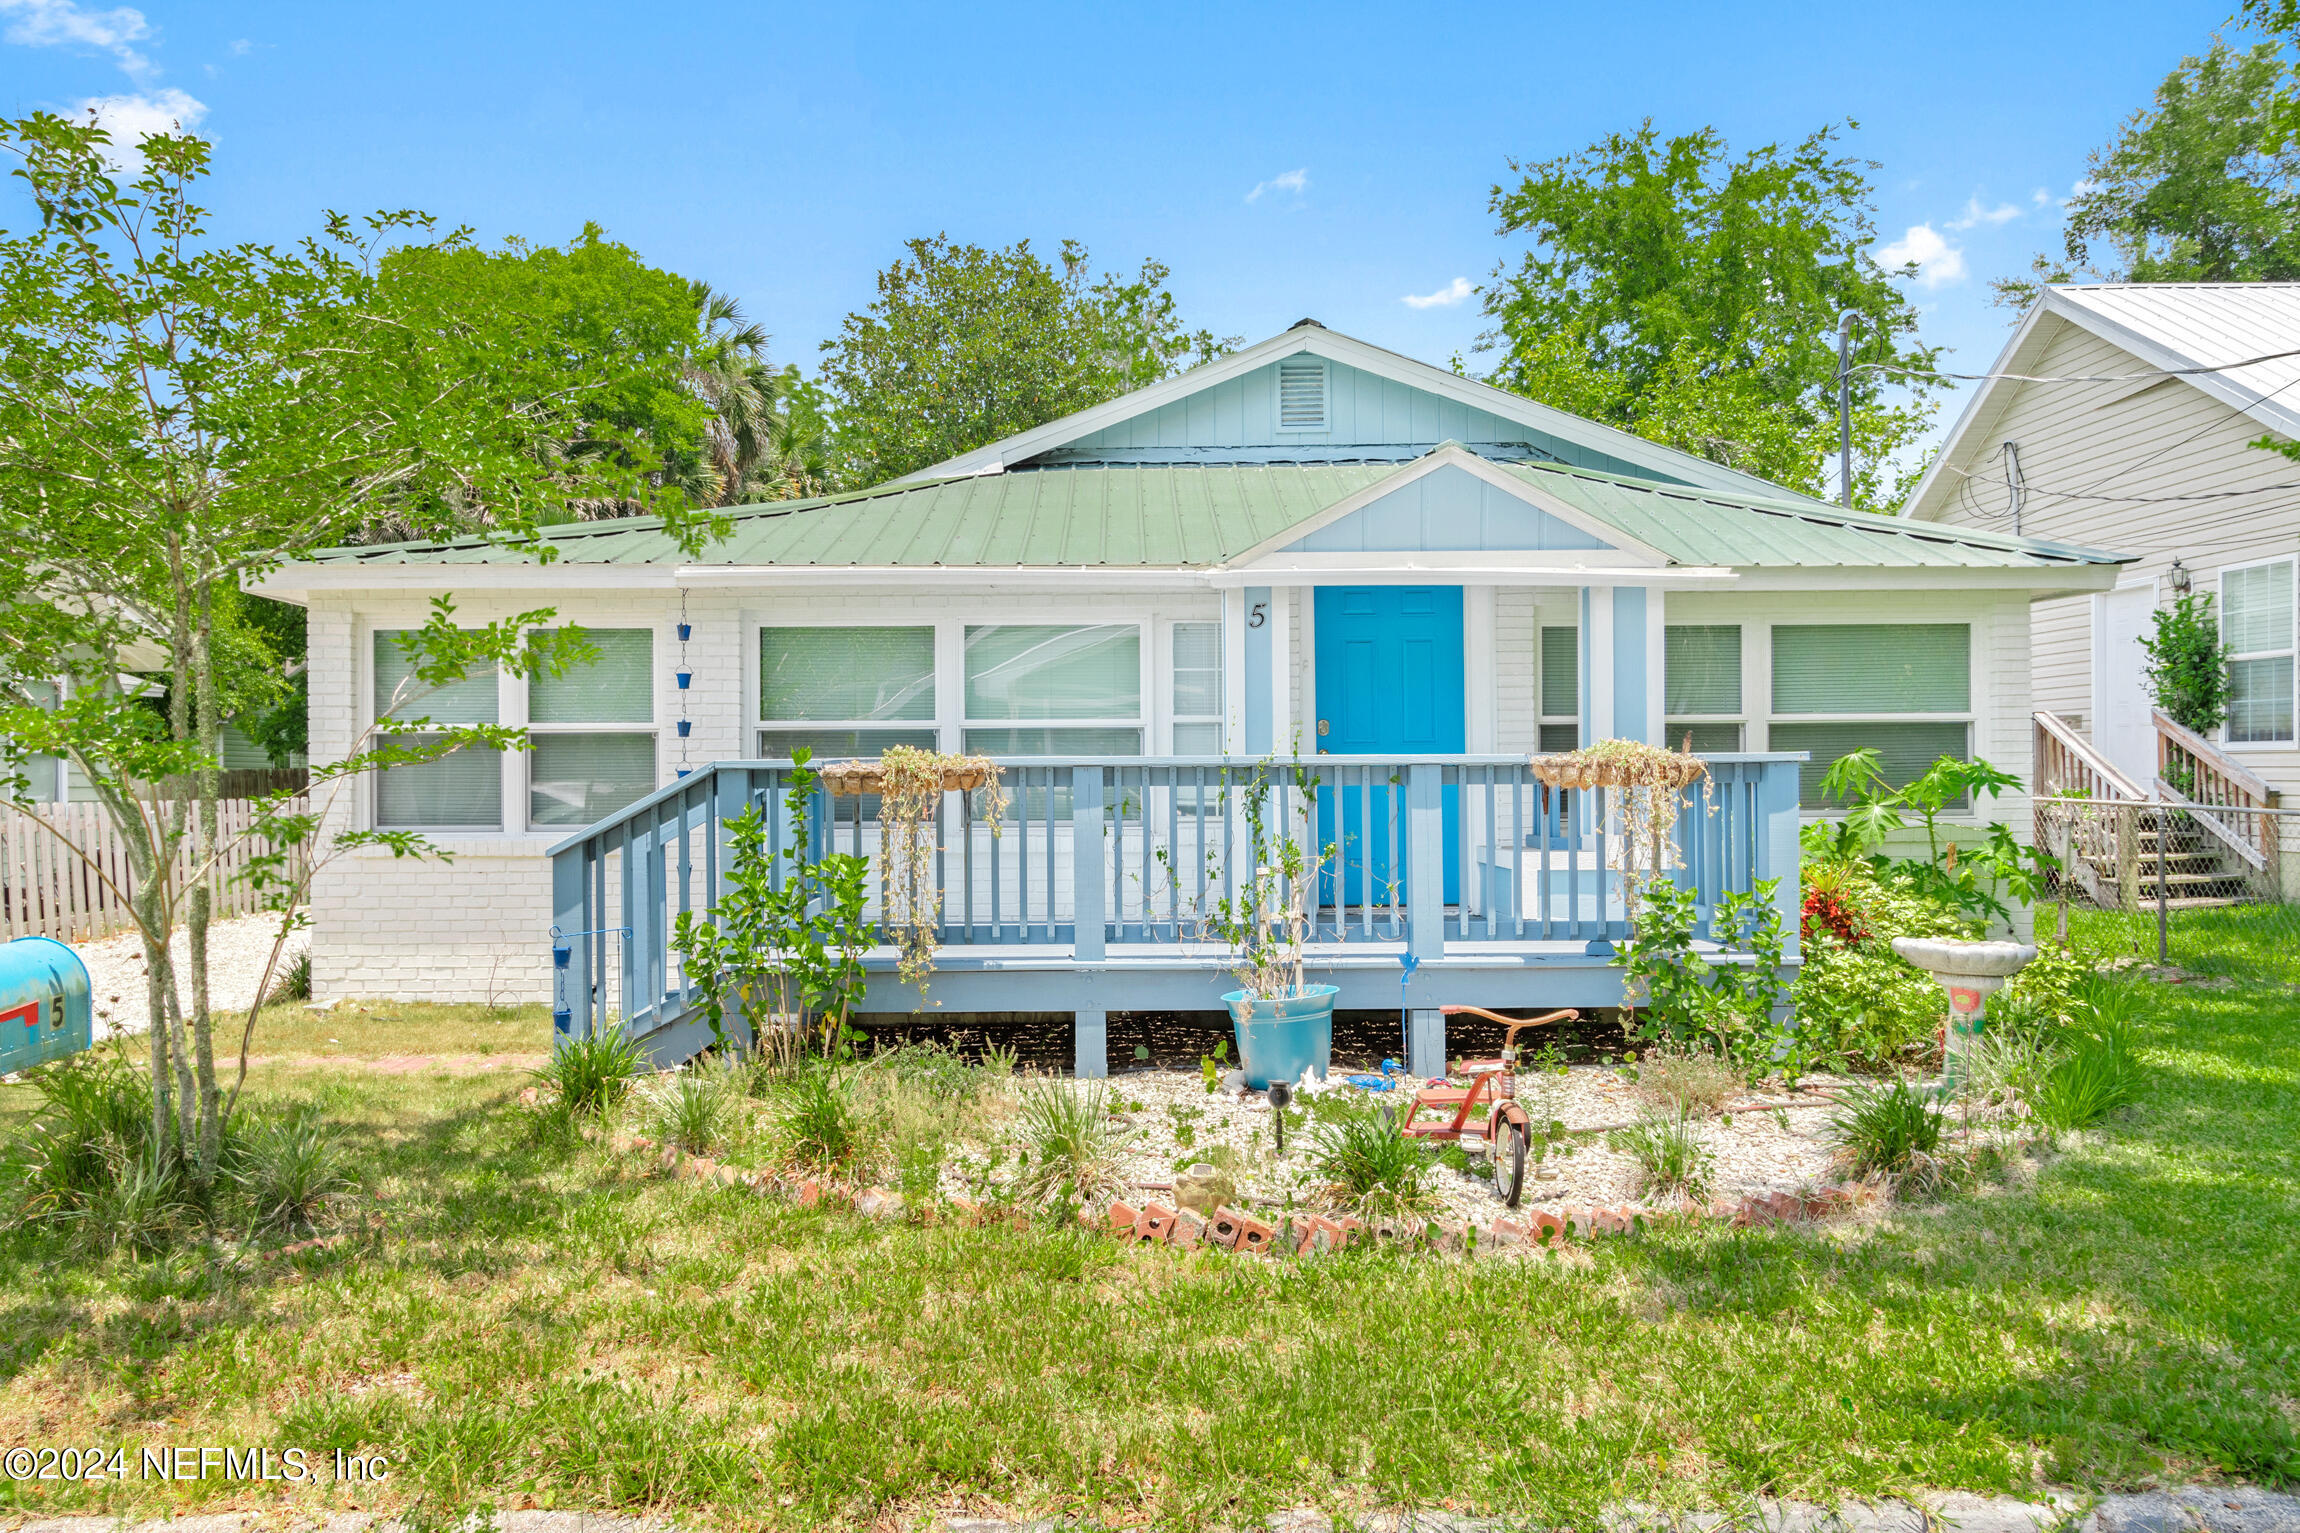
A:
(2154, 372)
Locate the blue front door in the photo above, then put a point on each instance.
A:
(1389, 684)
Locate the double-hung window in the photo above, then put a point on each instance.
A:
(1901, 689)
(2256, 630)
(592, 731)
(1042, 690)
(845, 692)
(1701, 685)
(1560, 688)
(460, 790)
(1197, 694)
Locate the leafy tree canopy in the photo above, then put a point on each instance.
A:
(2200, 186)
(964, 345)
(1692, 296)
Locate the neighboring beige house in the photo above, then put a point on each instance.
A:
(2099, 438)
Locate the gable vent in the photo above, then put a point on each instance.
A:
(1302, 395)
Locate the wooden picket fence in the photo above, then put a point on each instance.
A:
(47, 891)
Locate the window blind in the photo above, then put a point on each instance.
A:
(2256, 608)
(830, 745)
(1706, 737)
(846, 673)
(1203, 739)
(1872, 667)
(1197, 670)
(462, 790)
(1560, 737)
(2260, 700)
(1904, 750)
(1560, 672)
(472, 700)
(1701, 668)
(575, 779)
(617, 688)
(1019, 671)
(1054, 742)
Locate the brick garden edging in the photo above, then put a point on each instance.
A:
(1301, 1234)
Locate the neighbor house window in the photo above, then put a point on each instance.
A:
(462, 790)
(1034, 690)
(1560, 688)
(1197, 689)
(1903, 690)
(845, 692)
(2256, 630)
(1701, 685)
(587, 758)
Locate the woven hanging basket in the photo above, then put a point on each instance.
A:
(1574, 770)
(852, 779)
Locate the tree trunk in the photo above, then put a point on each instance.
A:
(211, 737)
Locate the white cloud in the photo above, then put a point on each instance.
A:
(50, 23)
(2083, 184)
(240, 47)
(1938, 262)
(1292, 181)
(1444, 298)
(2040, 198)
(131, 119)
(1975, 215)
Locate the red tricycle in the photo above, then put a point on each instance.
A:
(1508, 1127)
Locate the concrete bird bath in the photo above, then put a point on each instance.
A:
(1970, 972)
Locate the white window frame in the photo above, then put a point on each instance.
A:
(1975, 690)
(510, 710)
(756, 723)
(1166, 671)
(1671, 733)
(514, 701)
(2292, 652)
(1143, 721)
(1542, 720)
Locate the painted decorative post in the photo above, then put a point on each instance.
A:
(1425, 908)
(1090, 1047)
(1970, 972)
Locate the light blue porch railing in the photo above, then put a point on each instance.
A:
(1458, 862)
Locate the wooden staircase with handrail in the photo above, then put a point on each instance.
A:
(2120, 854)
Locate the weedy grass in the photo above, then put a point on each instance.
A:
(593, 1074)
(1070, 1141)
(1671, 1158)
(1371, 1167)
(552, 1324)
(1888, 1129)
(1686, 1081)
(2098, 1074)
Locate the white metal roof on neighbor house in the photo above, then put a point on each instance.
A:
(2163, 325)
(2205, 324)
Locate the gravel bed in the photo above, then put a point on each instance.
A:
(236, 953)
(1757, 1148)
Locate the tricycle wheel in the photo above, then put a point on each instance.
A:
(1509, 1160)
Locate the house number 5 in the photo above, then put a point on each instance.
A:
(1258, 614)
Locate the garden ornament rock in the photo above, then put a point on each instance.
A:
(1202, 1188)
(1970, 972)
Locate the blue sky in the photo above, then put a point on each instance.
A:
(1330, 160)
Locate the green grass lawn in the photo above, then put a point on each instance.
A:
(539, 1327)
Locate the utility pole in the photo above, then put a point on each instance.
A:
(1845, 406)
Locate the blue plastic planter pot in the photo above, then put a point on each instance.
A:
(1279, 1039)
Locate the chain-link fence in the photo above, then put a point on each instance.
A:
(2210, 889)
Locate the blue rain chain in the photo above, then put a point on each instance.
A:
(563, 953)
(686, 677)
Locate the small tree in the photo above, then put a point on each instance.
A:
(2187, 670)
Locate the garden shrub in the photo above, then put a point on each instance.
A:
(1859, 1003)
(1687, 1000)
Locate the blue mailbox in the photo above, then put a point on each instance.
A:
(44, 1003)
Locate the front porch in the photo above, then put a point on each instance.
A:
(1454, 880)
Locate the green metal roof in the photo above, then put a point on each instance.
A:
(1199, 515)
(1703, 527)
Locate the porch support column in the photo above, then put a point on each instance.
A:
(1090, 1046)
(1255, 696)
(1621, 667)
(1425, 1043)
